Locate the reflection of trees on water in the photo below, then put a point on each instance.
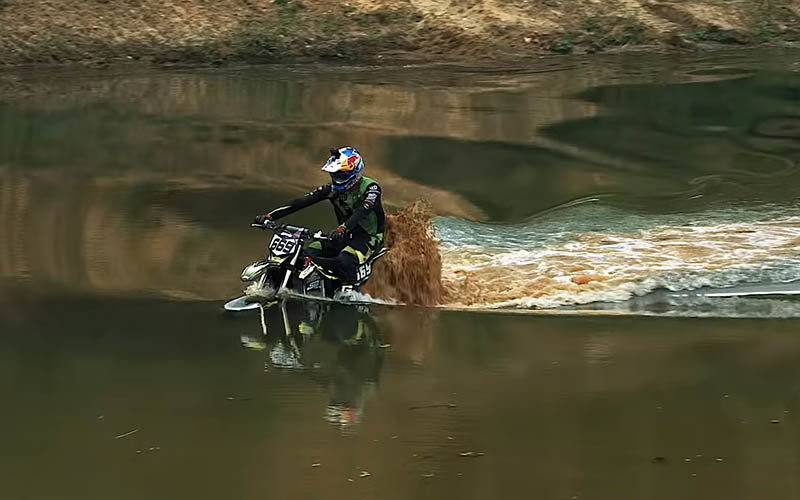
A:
(89, 237)
(778, 138)
(232, 131)
(339, 347)
(432, 137)
(730, 139)
(655, 145)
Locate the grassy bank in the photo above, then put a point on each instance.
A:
(223, 31)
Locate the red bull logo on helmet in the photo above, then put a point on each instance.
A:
(352, 162)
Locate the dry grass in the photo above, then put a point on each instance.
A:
(218, 31)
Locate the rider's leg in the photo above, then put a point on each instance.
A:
(353, 255)
(359, 247)
(345, 264)
(345, 267)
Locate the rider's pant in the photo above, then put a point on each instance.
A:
(342, 258)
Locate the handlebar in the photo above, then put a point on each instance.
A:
(278, 227)
(274, 226)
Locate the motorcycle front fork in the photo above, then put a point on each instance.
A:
(290, 269)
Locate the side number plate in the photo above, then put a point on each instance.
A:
(364, 271)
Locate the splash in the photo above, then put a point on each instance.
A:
(256, 291)
(411, 272)
(358, 297)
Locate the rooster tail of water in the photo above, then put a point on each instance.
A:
(411, 272)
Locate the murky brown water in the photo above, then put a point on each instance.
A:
(125, 200)
(556, 407)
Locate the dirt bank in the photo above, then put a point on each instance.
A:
(222, 31)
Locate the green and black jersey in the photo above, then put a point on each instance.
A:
(358, 209)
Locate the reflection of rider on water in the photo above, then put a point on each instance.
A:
(356, 200)
(359, 358)
(338, 346)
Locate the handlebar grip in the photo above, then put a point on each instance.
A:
(267, 224)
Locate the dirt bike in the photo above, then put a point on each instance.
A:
(286, 271)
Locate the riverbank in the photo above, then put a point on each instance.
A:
(100, 32)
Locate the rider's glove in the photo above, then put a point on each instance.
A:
(261, 219)
(338, 234)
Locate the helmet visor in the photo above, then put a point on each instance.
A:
(341, 177)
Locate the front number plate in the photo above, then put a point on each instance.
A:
(283, 244)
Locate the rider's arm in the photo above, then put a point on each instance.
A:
(315, 196)
(371, 200)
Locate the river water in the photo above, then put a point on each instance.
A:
(594, 217)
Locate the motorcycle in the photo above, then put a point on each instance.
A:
(286, 271)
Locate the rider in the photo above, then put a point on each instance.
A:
(356, 201)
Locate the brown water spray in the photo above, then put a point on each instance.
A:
(411, 272)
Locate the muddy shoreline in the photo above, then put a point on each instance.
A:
(226, 32)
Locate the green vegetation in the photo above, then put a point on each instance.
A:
(600, 32)
(613, 31)
(564, 44)
(766, 32)
(716, 35)
(392, 16)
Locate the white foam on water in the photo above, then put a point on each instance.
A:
(254, 290)
(344, 297)
(356, 297)
(609, 256)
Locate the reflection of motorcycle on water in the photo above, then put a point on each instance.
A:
(338, 346)
(289, 270)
